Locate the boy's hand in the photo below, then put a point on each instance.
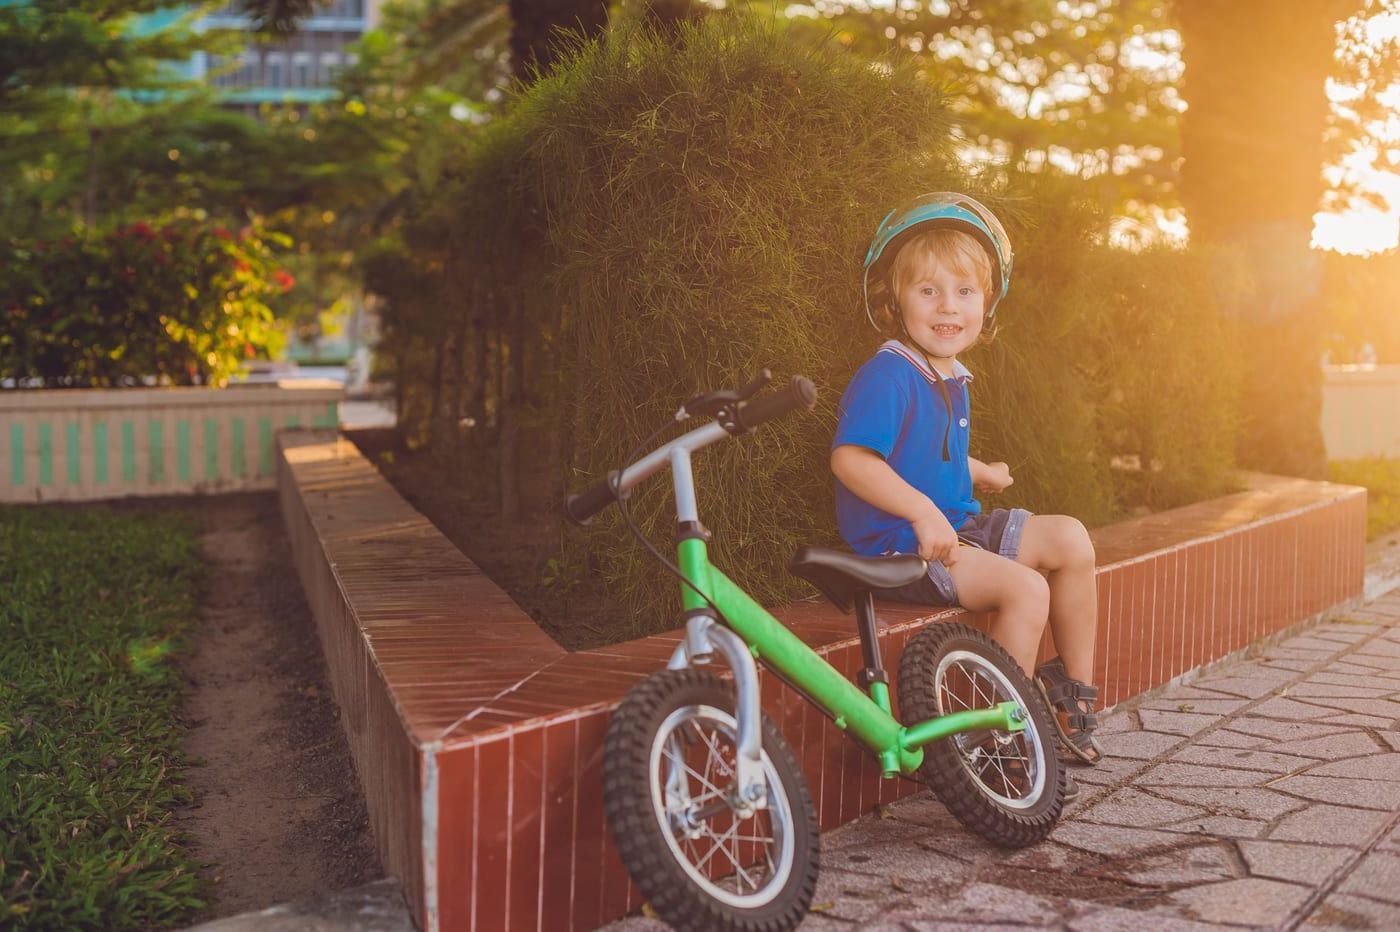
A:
(937, 539)
(995, 477)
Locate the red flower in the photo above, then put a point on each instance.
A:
(142, 230)
(284, 280)
(223, 233)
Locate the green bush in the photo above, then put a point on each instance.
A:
(1361, 293)
(1381, 477)
(180, 303)
(662, 215)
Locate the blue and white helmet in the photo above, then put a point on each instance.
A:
(948, 210)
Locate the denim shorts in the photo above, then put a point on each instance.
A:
(998, 531)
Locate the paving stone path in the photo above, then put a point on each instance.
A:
(1264, 794)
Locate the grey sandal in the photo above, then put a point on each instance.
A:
(1076, 699)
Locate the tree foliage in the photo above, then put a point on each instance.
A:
(1085, 89)
(1363, 131)
(86, 88)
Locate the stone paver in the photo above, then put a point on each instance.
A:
(1239, 759)
(1282, 860)
(1264, 795)
(1239, 801)
(1376, 767)
(1331, 747)
(1130, 807)
(1253, 901)
(1196, 775)
(1330, 825)
(1176, 723)
(1340, 911)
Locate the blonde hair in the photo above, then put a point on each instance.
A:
(927, 250)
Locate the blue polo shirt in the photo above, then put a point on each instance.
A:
(894, 407)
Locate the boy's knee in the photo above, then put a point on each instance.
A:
(1078, 547)
(1069, 543)
(1028, 586)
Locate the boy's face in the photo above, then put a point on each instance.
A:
(943, 308)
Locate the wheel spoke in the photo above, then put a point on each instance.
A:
(711, 789)
(740, 861)
(717, 844)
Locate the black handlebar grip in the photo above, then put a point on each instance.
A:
(581, 508)
(800, 393)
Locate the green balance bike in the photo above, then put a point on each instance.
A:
(706, 801)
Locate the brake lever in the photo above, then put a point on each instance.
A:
(712, 403)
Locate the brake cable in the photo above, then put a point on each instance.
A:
(615, 484)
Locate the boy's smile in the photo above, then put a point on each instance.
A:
(943, 310)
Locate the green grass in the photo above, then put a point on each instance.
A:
(1381, 477)
(92, 608)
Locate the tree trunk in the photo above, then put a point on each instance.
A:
(481, 374)
(510, 418)
(537, 26)
(1252, 180)
(90, 193)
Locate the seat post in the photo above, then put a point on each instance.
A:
(874, 671)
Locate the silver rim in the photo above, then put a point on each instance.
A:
(744, 863)
(1009, 767)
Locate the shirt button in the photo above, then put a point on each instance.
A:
(962, 422)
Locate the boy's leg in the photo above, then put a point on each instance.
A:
(1018, 595)
(1059, 547)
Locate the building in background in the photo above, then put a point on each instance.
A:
(300, 69)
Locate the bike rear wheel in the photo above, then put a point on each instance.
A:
(668, 787)
(1007, 787)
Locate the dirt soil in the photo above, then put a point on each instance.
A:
(278, 813)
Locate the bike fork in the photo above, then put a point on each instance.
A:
(703, 637)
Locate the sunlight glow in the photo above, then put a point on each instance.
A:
(1367, 228)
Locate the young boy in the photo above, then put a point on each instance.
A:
(934, 275)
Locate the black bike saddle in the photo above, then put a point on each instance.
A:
(841, 576)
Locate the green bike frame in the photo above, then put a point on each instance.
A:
(706, 590)
(867, 717)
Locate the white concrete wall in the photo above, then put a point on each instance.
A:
(82, 444)
(1361, 411)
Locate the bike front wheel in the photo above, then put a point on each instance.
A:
(669, 788)
(1007, 787)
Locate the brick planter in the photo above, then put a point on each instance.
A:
(479, 739)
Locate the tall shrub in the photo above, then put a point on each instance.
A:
(658, 216)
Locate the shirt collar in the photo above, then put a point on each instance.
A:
(960, 372)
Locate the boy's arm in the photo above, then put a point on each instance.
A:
(989, 477)
(978, 469)
(866, 474)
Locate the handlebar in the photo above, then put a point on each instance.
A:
(581, 508)
(799, 394)
(735, 418)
